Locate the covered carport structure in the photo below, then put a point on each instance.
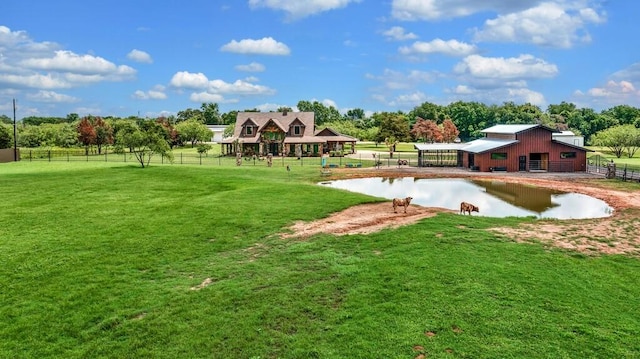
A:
(440, 154)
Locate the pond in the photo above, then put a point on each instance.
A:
(495, 198)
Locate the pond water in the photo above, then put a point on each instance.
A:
(494, 198)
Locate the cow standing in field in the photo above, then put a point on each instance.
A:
(468, 207)
(401, 202)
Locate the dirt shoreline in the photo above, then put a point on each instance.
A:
(617, 234)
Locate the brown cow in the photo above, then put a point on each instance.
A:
(400, 202)
(468, 207)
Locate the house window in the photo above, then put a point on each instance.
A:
(567, 155)
(248, 130)
(499, 156)
(296, 130)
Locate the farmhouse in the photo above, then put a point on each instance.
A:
(284, 134)
(510, 148)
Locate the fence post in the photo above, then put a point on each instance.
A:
(201, 159)
(49, 155)
(67, 156)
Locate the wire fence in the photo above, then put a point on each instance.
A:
(80, 155)
(608, 168)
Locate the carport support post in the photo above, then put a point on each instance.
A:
(15, 137)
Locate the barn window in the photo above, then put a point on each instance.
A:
(499, 156)
(567, 155)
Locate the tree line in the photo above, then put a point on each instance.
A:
(427, 122)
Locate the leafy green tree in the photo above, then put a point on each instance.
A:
(211, 113)
(189, 114)
(229, 118)
(6, 119)
(321, 112)
(284, 108)
(6, 136)
(228, 131)
(619, 139)
(470, 118)
(193, 131)
(624, 114)
(30, 136)
(392, 125)
(426, 111)
(144, 140)
(355, 114)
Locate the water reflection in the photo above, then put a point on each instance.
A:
(495, 198)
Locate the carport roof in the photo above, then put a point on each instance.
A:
(486, 144)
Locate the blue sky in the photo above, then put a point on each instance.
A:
(152, 58)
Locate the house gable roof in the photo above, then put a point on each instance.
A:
(282, 119)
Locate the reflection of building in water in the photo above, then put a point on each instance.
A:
(534, 199)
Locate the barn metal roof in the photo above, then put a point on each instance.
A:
(486, 144)
(509, 129)
(438, 146)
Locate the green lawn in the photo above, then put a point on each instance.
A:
(98, 260)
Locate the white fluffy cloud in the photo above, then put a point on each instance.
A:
(439, 46)
(548, 24)
(297, 9)
(398, 33)
(139, 56)
(216, 90)
(521, 67)
(411, 10)
(157, 93)
(264, 46)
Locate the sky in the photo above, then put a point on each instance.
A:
(154, 58)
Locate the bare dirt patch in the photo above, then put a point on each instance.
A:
(618, 234)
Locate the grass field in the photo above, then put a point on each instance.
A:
(104, 260)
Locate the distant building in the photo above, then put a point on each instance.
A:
(284, 134)
(569, 137)
(513, 148)
(217, 132)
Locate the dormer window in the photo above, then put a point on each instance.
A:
(297, 130)
(248, 130)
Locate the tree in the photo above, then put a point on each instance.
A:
(189, 114)
(144, 141)
(6, 136)
(391, 143)
(229, 118)
(619, 139)
(5, 119)
(86, 134)
(321, 112)
(449, 131)
(30, 136)
(193, 131)
(427, 111)
(104, 133)
(427, 130)
(211, 113)
(355, 114)
(392, 125)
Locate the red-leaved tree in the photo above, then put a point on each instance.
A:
(427, 130)
(86, 134)
(449, 131)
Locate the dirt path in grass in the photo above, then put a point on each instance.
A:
(618, 234)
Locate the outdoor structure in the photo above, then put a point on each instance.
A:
(217, 132)
(569, 137)
(9, 155)
(284, 134)
(510, 148)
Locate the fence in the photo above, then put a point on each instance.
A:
(79, 155)
(625, 172)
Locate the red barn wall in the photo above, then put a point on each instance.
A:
(536, 140)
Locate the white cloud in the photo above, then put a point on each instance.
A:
(612, 93)
(202, 97)
(507, 93)
(412, 10)
(67, 61)
(139, 56)
(238, 87)
(184, 79)
(524, 66)
(548, 24)
(449, 47)
(157, 93)
(264, 46)
(396, 80)
(409, 100)
(398, 33)
(297, 9)
(51, 96)
(252, 67)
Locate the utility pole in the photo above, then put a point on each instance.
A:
(15, 137)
